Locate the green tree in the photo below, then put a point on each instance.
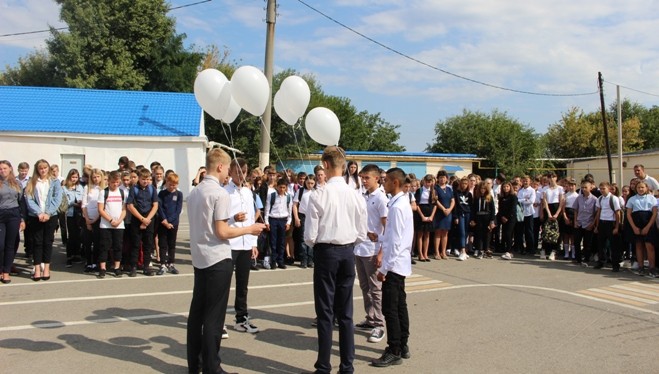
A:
(505, 142)
(649, 130)
(112, 44)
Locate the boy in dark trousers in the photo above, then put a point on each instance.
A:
(170, 204)
(112, 209)
(278, 213)
(607, 221)
(143, 205)
(396, 266)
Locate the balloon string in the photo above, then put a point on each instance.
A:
(273, 143)
(235, 158)
(299, 150)
(304, 140)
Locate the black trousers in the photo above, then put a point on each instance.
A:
(394, 308)
(89, 238)
(507, 235)
(111, 239)
(482, 234)
(141, 239)
(528, 235)
(167, 244)
(208, 308)
(75, 232)
(585, 236)
(43, 236)
(333, 280)
(604, 234)
(242, 261)
(10, 221)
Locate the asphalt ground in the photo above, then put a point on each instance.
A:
(479, 316)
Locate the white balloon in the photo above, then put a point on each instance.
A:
(282, 112)
(250, 89)
(323, 126)
(292, 99)
(224, 100)
(207, 88)
(232, 112)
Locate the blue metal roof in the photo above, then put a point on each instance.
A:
(100, 112)
(407, 154)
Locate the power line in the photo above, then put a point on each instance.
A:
(435, 67)
(632, 89)
(66, 28)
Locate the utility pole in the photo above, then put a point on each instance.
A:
(271, 17)
(600, 80)
(620, 176)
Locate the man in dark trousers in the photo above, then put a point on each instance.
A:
(335, 222)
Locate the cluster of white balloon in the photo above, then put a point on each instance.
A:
(249, 90)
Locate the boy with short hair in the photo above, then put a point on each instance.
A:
(584, 221)
(170, 205)
(278, 213)
(143, 205)
(607, 221)
(395, 267)
(112, 208)
(368, 254)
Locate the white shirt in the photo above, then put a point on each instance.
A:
(242, 200)
(113, 206)
(376, 209)
(303, 203)
(42, 187)
(424, 196)
(536, 205)
(90, 201)
(282, 208)
(207, 203)
(336, 214)
(398, 236)
(652, 183)
(606, 214)
(526, 196)
(553, 195)
(570, 197)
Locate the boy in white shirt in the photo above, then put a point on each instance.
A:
(396, 265)
(278, 216)
(607, 221)
(112, 208)
(368, 255)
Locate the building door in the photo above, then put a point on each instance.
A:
(71, 162)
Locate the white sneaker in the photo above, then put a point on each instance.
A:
(463, 257)
(377, 334)
(635, 265)
(507, 256)
(246, 326)
(225, 333)
(552, 256)
(542, 254)
(476, 252)
(456, 253)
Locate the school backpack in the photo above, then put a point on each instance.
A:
(520, 212)
(273, 197)
(550, 232)
(136, 190)
(64, 205)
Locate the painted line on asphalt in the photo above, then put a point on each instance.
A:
(304, 303)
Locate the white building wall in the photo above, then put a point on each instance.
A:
(184, 155)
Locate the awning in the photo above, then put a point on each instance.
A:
(452, 168)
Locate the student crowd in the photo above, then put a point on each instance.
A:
(123, 220)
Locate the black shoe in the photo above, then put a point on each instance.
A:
(101, 273)
(405, 352)
(254, 267)
(598, 265)
(133, 272)
(282, 266)
(310, 265)
(413, 262)
(117, 273)
(387, 359)
(148, 272)
(69, 263)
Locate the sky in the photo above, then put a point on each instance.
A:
(554, 47)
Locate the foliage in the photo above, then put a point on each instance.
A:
(580, 134)
(504, 141)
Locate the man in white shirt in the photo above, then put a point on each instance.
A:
(368, 254)
(209, 212)
(335, 222)
(396, 266)
(653, 185)
(243, 248)
(526, 196)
